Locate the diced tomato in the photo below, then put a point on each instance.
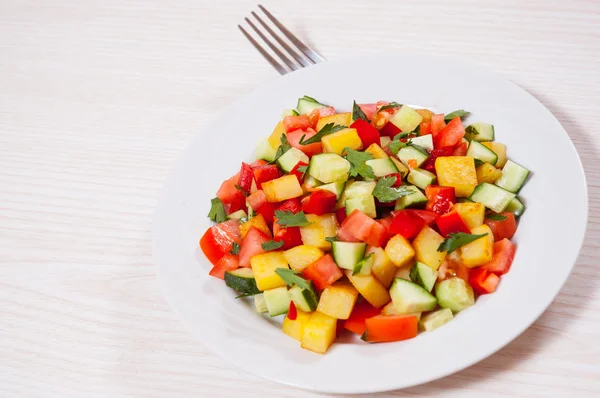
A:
(451, 134)
(228, 262)
(265, 173)
(364, 228)
(390, 130)
(384, 328)
(257, 199)
(292, 311)
(407, 224)
(319, 202)
(483, 281)
(218, 240)
(387, 223)
(345, 234)
(356, 322)
(246, 177)
(452, 222)
(440, 199)
(227, 192)
(311, 149)
(453, 267)
(339, 328)
(238, 203)
(323, 272)
(367, 133)
(314, 118)
(292, 205)
(437, 124)
(503, 229)
(428, 216)
(267, 210)
(429, 164)
(299, 175)
(290, 236)
(252, 245)
(504, 253)
(425, 128)
(315, 115)
(368, 109)
(293, 123)
(460, 149)
(341, 214)
(258, 162)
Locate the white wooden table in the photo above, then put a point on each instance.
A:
(98, 98)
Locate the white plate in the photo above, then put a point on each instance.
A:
(549, 237)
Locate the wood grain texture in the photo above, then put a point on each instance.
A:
(97, 100)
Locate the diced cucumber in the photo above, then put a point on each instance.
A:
(305, 299)
(366, 204)
(402, 169)
(260, 304)
(336, 187)
(278, 300)
(329, 167)
(424, 141)
(406, 119)
(289, 112)
(479, 151)
(479, 132)
(312, 182)
(408, 297)
(435, 319)
(347, 254)
(236, 215)
(363, 267)
(288, 160)
(513, 177)
(342, 200)
(455, 294)
(415, 199)
(492, 196)
(242, 280)
(516, 207)
(423, 275)
(421, 178)
(384, 140)
(382, 167)
(265, 151)
(411, 153)
(360, 189)
(307, 105)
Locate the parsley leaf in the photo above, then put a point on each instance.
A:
(331, 239)
(357, 113)
(384, 191)
(283, 148)
(235, 248)
(291, 278)
(461, 113)
(396, 144)
(246, 295)
(391, 105)
(456, 240)
(217, 211)
(361, 263)
(357, 163)
(272, 245)
(302, 169)
(286, 218)
(329, 128)
(242, 189)
(496, 217)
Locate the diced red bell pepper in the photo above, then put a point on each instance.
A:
(398, 182)
(425, 128)
(440, 199)
(299, 175)
(292, 312)
(437, 124)
(428, 216)
(384, 328)
(218, 240)
(252, 245)
(429, 164)
(228, 262)
(290, 236)
(368, 109)
(364, 228)
(309, 150)
(452, 222)
(367, 133)
(258, 162)
(238, 203)
(292, 205)
(483, 281)
(267, 210)
(323, 272)
(246, 177)
(257, 199)
(460, 149)
(265, 173)
(504, 253)
(340, 214)
(319, 202)
(356, 322)
(451, 134)
(503, 229)
(390, 130)
(293, 123)
(407, 224)
(387, 223)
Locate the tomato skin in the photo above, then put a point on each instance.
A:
(228, 262)
(440, 199)
(450, 223)
(364, 228)
(319, 202)
(357, 321)
(323, 272)
(429, 164)
(257, 199)
(483, 281)
(246, 177)
(293, 123)
(437, 124)
(385, 328)
(265, 173)
(309, 150)
(267, 210)
(298, 174)
(451, 134)
(218, 240)
(504, 254)
(407, 224)
(252, 245)
(367, 133)
(292, 205)
(290, 236)
(504, 229)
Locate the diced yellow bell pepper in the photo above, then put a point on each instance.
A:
(343, 119)
(338, 300)
(322, 227)
(426, 244)
(370, 288)
(302, 256)
(282, 188)
(426, 114)
(383, 268)
(488, 173)
(400, 166)
(275, 137)
(319, 332)
(377, 152)
(264, 266)
(458, 172)
(336, 142)
(472, 213)
(295, 328)
(399, 251)
(500, 150)
(257, 221)
(479, 251)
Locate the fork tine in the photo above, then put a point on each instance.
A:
(283, 44)
(265, 54)
(285, 59)
(312, 55)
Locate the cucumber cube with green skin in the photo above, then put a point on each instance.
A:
(260, 304)
(455, 294)
(363, 267)
(307, 105)
(513, 177)
(329, 167)
(335, 187)
(305, 299)
(409, 153)
(265, 151)
(360, 189)
(492, 196)
(479, 132)
(242, 280)
(311, 182)
(237, 215)
(347, 254)
(278, 301)
(421, 178)
(435, 319)
(516, 207)
(289, 112)
(423, 275)
(406, 119)
(290, 159)
(382, 167)
(479, 151)
(408, 297)
(366, 204)
(424, 141)
(415, 199)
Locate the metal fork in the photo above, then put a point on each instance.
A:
(308, 57)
